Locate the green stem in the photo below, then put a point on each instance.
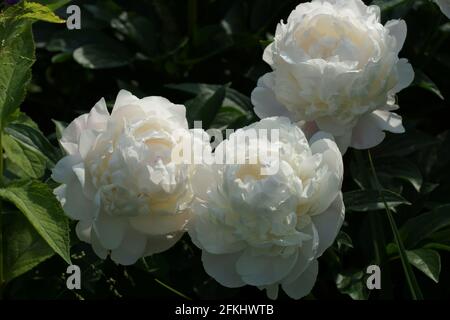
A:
(409, 274)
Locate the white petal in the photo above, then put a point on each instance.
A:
(329, 223)
(303, 285)
(71, 134)
(87, 139)
(124, 98)
(222, 267)
(110, 230)
(405, 75)
(97, 247)
(389, 121)
(444, 5)
(324, 143)
(74, 202)
(63, 172)
(366, 134)
(264, 100)
(157, 244)
(272, 291)
(83, 230)
(131, 249)
(260, 270)
(397, 29)
(98, 117)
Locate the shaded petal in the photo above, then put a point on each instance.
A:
(366, 134)
(83, 230)
(157, 244)
(97, 247)
(260, 270)
(329, 223)
(160, 224)
(131, 249)
(405, 75)
(110, 231)
(222, 267)
(303, 285)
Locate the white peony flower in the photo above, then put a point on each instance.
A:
(336, 69)
(268, 230)
(444, 5)
(119, 180)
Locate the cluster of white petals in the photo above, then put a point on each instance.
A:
(336, 69)
(269, 230)
(118, 178)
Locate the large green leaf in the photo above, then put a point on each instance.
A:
(421, 80)
(426, 260)
(35, 140)
(38, 204)
(16, 59)
(424, 225)
(353, 283)
(368, 200)
(400, 168)
(205, 107)
(24, 248)
(102, 56)
(23, 160)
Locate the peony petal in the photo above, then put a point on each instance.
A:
(83, 230)
(366, 134)
(71, 134)
(397, 29)
(259, 270)
(405, 75)
(131, 249)
(97, 247)
(157, 244)
(329, 223)
(75, 204)
(444, 5)
(63, 172)
(98, 117)
(110, 231)
(303, 285)
(222, 267)
(389, 121)
(124, 98)
(264, 100)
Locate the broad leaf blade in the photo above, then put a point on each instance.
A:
(38, 204)
(426, 260)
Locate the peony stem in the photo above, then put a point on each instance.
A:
(409, 274)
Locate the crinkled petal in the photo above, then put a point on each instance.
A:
(397, 29)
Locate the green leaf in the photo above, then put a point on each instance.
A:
(421, 80)
(401, 168)
(233, 98)
(38, 204)
(24, 248)
(343, 240)
(426, 260)
(205, 107)
(100, 56)
(34, 139)
(401, 145)
(368, 200)
(23, 160)
(353, 283)
(37, 11)
(424, 225)
(16, 59)
(59, 128)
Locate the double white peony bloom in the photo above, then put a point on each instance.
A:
(336, 69)
(269, 230)
(119, 180)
